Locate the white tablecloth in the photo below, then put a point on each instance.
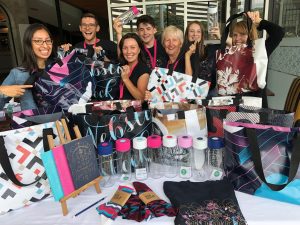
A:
(256, 210)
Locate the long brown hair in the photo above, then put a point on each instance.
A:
(201, 47)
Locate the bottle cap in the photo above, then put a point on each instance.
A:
(212, 9)
(185, 141)
(200, 143)
(154, 141)
(123, 145)
(215, 143)
(169, 141)
(135, 10)
(105, 148)
(139, 143)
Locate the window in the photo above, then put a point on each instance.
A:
(287, 14)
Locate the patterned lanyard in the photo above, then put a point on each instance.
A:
(84, 43)
(152, 59)
(122, 84)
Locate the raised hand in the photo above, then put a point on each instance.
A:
(14, 90)
(255, 17)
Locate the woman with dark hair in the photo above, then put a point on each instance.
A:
(135, 73)
(200, 59)
(37, 48)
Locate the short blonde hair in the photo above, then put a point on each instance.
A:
(174, 31)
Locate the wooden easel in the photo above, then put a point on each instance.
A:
(95, 182)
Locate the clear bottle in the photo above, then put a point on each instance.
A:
(212, 19)
(155, 156)
(140, 158)
(129, 15)
(170, 150)
(215, 157)
(123, 159)
(184, 156)
(106, 163)
(199, 158)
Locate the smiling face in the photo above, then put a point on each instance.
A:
(146, 32)
(172, 44)
(239, 38)
(194, 32)
(130, 50)
(89, 28)
(43, 51)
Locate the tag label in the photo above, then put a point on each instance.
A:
(216, 174)
(120, 197)
(148, 196)
(185, 172)
(171, 117)
(141, 174)
(125, 177)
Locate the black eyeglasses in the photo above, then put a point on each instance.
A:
(84, 25)
(41, 42)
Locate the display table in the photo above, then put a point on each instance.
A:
(257, 211)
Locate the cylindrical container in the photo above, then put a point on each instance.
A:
(155, 156)
(129, 15)
(106, 163)
(215, 152)
(212, 19)
(185, 144)
(170, 150)
(140, 158)
(123, 159)
(199, 157)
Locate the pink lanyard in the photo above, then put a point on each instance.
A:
(152, 59)
(175, 64)
(122, 84)
(84, 44)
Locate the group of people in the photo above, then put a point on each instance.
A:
(138, 53)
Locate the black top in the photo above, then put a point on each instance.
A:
(108, 46)
(209, 202)
(161, 57)
(179, 64)
(204, 67)
(138, 71)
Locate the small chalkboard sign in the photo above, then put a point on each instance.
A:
(81, 156)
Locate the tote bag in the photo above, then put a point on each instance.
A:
(263, 160)
(179, 119)
(170, 86)
(241, 68)
(114, 125)
(22, 175)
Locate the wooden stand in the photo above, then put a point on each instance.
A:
(74, 194)
(95, 182)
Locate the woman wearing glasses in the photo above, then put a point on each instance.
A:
(37, 48)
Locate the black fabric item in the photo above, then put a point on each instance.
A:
(210, 202)
(108, 46)
(139, 70)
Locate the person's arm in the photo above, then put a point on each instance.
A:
(275, 35)
(118, 27)
(275, 32)
(137, 92)
(188, 64)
